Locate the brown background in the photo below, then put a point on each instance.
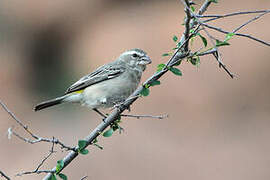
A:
(218, 128)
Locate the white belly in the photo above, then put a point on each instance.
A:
(102, 95)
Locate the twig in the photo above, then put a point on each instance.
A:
(17, 120)
(249, 21)
(145, 116)
(37, 171)
(4, 175)
(187, 22)
(37, 139)
(204, 7)
(221, 64)
(84, 177)
(237, 34)
(215, 17)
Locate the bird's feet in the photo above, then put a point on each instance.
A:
(100, 113)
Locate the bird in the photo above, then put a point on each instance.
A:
(108, 85)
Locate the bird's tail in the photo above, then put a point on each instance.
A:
(49, 103)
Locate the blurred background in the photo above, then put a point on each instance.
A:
(218, 128)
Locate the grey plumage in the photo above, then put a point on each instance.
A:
(108, 85)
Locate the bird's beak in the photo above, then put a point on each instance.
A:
(145, 60)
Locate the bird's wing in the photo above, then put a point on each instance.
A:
(103, 73)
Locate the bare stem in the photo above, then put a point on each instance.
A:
(237, 34)
(145, 116)
(37, 171)
(215, 17)
(4, 175)
(36, 138)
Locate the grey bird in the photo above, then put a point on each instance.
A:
(108, 85)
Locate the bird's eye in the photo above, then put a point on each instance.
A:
(134, 55)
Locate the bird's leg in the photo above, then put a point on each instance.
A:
(100, 113)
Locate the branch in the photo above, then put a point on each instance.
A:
(204, 7)
(37, 139)
(145, 116)
(187, 22)
(122, 107)
(215, 17)
(249, 21)
(175, 58)
(37, 171)
(5, 176)
(237, 34)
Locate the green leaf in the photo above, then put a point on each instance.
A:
(166, 54)
(214, 1)
(59, 165)
(195, 60)
(192, 8)
(221, 43)
(160, 67)
(204, 40)
(52, 177)
(176, 71)
(229, 36)
(82, 144)
(63, 176)
(84, 151)
(178, 63)
(175, 38)
(145, 91)
(95, 140)
(108, 133)
(154, 83)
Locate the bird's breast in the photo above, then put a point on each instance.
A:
(110, 92)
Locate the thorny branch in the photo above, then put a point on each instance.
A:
(215, 17)
(144, 116)
(36, 138)
(192, 21)
(216, 53)
(4, 175)
(177, 57)
(37, 171)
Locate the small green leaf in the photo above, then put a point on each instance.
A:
(229, 36)
(160, 67)
(95, 140)
(108, 133)
(195, 60)
(84, 151)
(175, 38)
(145, 91)
(178, 63)
(82, 144)
(63, 176)
(118, 120)
(166, 54)
(204, 40)
(154, 83)
(192, 8)
(221, 43)
(176, 71)
(214, 1)
(52, 177)
(59, 165)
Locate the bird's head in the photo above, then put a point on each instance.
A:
(136, 58)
